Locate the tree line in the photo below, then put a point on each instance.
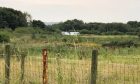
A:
(130, 28)
(11, 18)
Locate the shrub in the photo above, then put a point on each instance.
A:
(4, 38)
(120, 44)
(33, 36)
(139, 36)
(85, 31)
(64, 40)
(24, 30)
(43, 36)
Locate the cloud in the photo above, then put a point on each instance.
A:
(49, 2)
(98, 10)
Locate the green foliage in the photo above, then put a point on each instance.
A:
(53, 28)
(85, 31)
(6, 31)
(33, 36)
(43, 36)
(72, 25)
(12, 18)
(4, 38)
(139, 36)
(121, 44)
(72, 39)
(28, 30)
(131, 28)
(38, 23)
(24, 30)
(133, 24)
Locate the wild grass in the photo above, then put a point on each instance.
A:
(68, 71)
(70, 60)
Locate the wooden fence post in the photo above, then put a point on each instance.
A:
(7, 64)
(23, 55)
(45, 66)
(94, 66)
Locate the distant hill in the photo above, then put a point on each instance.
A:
(51, 23)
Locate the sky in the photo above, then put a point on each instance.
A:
(86, 10)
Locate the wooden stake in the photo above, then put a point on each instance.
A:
(23, 55)
(94, 66)
(7, 64)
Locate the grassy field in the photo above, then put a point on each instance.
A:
(66, 71)
(70, 60)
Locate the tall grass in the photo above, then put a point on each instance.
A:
(70, 59)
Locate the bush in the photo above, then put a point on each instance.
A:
(139, 36)
(4, 38)
(120, 44)
(33, 36)
(24, 30)
(42, 36)
(85, 31)
(28, 30)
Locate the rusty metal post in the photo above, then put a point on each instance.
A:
(45, 66)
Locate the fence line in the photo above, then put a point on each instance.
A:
(100, 69)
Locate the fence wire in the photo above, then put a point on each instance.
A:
(72, 65)
(32, 68)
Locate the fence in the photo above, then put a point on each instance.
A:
(20, 68)
(119, 66)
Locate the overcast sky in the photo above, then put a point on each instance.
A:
(86, 10)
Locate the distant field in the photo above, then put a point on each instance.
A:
(110, 36)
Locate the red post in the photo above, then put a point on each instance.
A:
(45, 66)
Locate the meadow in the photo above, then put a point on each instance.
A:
(69, 59)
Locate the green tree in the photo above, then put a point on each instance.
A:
(133, 24)
(72, 25)
(38, 23)
(12, 18)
